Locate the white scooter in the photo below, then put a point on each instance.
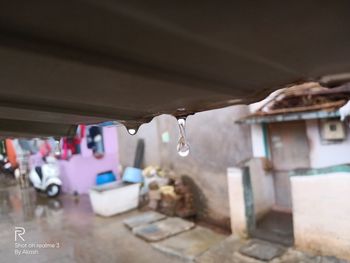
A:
(45, 178)
(6, 166)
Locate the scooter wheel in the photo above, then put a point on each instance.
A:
(53, 190)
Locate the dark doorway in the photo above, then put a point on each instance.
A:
(289, 150)
(275, 226)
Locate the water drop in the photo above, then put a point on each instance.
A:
(132, 131)
(58, 147)
(183, 148)
(132, 128)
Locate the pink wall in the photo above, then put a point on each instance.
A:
(79, 172)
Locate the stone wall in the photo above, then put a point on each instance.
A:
(216, 144)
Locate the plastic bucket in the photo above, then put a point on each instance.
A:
(132, 175)
(105, 177)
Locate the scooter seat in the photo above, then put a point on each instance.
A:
(39, 172)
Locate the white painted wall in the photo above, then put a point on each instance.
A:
(263, 195)
(321, 213)
(258, 145)
(263, 187)
(236, 200)
(323, 155)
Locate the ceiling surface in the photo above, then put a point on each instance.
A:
(87, 61)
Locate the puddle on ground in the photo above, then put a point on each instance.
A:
(22, 205)
(25, 204)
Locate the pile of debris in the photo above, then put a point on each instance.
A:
(167, 193)
(305, 97)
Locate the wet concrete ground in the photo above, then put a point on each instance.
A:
(66, 230)
(70, 226)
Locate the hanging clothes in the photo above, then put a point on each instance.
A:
(28, 145)
(93, 131)
(81, 131)
(95, 141)
(45, 148)
(68, 148)
(2, 147)
(11, 153)
(71, 145)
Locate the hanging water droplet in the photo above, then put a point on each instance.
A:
(183, 148)
(132, 131)
(58, 147)
(132, 128)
